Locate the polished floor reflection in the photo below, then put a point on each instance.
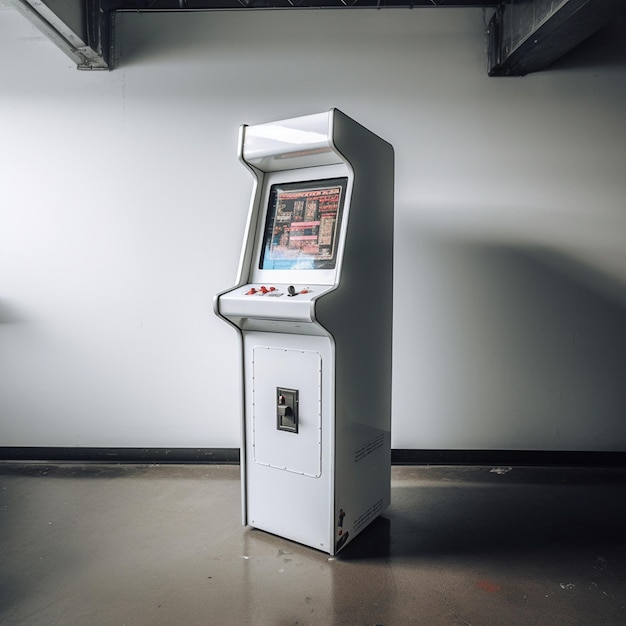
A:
(148, 544)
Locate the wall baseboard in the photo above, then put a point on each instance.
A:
(537, 458)
(230, 456)
(216, 456)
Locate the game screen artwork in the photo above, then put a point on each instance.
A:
(302, 225)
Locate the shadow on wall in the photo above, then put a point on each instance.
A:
(510, 348)
(156, 37)
(606, 48)
(608, 286)
(9, 314)
(180, 34)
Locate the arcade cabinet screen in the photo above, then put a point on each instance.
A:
(302, 225)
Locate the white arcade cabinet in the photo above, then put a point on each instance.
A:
(313, 308)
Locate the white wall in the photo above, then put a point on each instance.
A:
(122, 207)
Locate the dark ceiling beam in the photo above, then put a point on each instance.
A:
(529, 35)
(80, 29)
(524, 35)
(247, 5)
(83, 29)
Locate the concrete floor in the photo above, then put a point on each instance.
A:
(148, 544)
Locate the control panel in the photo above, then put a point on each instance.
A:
(278, 301)
(276, 292)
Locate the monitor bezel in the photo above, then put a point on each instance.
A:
(268, 258)
(299, 276)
